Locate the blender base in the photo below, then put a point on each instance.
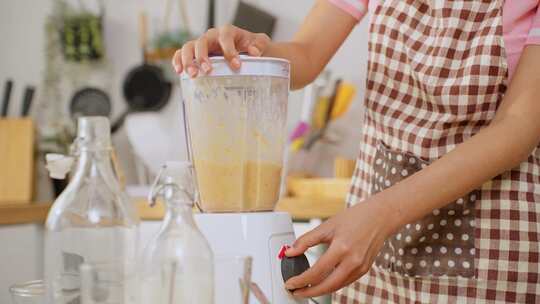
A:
(260, 235)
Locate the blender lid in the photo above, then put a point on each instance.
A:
(251, 66)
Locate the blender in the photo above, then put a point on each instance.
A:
(236, 131)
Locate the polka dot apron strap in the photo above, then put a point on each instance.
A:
(441, 243)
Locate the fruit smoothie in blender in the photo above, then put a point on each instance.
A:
(236, 123)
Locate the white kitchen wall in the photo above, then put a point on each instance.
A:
(22, 44)
(21, 256)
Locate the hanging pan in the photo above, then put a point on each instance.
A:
(90, 101)
(145, 88)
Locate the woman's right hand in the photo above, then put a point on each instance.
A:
(228, 41)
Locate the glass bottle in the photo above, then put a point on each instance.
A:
(177, 264)
(92, 221)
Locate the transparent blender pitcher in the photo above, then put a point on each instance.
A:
(236, 123)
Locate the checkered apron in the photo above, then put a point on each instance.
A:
(436, 75)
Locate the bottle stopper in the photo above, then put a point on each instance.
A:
(58, 165)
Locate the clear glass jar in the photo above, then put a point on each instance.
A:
(32, 292)
(178, 264)
(92, 221)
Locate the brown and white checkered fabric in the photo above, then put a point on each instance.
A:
(436, 75)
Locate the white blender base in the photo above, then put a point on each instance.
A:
(259, 235)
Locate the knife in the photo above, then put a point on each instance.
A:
(7, 95)
(27, 100)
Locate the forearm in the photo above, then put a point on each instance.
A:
(321, 34)
(503, 145)
(303, 68)
(492, 151)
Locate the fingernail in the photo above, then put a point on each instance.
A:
(176, 69)
(191, 71)
(205, 67)
(235, 62)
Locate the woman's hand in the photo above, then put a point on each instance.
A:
(322, 33)
(355, 237)
(228, 41)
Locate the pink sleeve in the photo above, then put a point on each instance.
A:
(534, 32)
(355, 8)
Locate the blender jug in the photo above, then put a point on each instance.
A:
(236, 124)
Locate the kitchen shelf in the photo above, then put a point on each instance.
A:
(306, 208)
(300, 208)
(23, 213)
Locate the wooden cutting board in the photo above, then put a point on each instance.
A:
(318, 187)
(16, 161)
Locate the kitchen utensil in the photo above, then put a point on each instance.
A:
(313, 110)
(259, 294)
(211, 14)
(90, 101)
(233, 278)
(316, 136)
(297, 144)
(16, 161)
(332, 102)
(319, 112)
(236, 127)
(226, 107)
(7, 96)
(27, 100)
(32, 292)
(303, 126)
(344, 98)
(145, 87)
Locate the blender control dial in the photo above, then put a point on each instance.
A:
(292, 266)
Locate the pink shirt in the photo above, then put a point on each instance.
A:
(521, 24)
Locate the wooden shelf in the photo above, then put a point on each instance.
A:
(331, 188)
(23, 213)
(306, 208)
(301, 209)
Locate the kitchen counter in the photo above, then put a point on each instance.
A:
(300, 208)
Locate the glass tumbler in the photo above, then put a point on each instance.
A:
(32, 292)
(108, 283)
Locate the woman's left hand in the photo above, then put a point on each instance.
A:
(355, 237)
